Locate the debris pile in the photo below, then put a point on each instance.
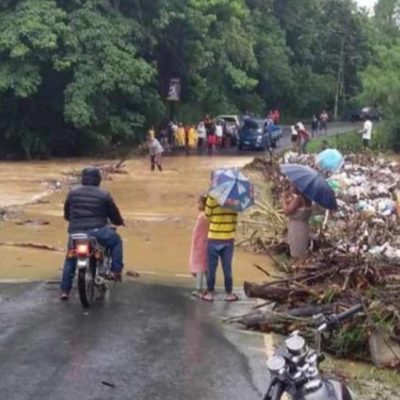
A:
(262, 227)
(355, 255)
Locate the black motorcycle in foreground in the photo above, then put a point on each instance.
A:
(294, 366)
(94, 267)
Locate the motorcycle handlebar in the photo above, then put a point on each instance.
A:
(333, 321)
(349, 313)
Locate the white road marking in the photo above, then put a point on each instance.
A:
(269, 347)
(147, 272)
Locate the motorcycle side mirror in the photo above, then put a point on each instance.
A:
(296, 345)
(276, 365)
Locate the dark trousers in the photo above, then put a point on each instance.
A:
(304, 145)
(155, 159)
(220, 249)
(201, 142)
(106, 237)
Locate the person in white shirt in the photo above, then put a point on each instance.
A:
(367, 132)
(323, 122)
(301, 126)
(295, 139)
(219, 133)
(202, 132)
(156, 151)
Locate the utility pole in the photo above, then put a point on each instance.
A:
(340, 84)
(340, 79)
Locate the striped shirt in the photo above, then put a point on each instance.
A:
(223, 221)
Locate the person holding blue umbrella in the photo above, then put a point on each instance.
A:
(230, 193)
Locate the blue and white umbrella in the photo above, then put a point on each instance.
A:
(231, 189)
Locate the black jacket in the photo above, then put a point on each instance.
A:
(88, 207)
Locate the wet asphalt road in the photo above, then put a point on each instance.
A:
(333, 129)
(144, 342)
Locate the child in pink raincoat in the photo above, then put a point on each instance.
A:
(198, 250)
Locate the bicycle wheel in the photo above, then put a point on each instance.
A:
(86, 285)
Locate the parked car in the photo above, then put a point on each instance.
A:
(229, 119)
(232, 125)
(371, 112)
(253, 135)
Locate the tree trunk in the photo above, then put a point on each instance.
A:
(257, 319)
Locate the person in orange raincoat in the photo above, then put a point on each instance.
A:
(180, 136)
(193, 138)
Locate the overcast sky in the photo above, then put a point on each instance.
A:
(367, 3)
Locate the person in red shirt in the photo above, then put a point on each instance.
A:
(276, 116)
(304, 136)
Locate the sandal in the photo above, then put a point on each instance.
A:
(207, 297)
(230, 298)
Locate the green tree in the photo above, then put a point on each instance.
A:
(31, 35)
(111, 86)
(387, 19)
(382, 87)
(71, 78)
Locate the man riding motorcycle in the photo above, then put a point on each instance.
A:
(88, 209)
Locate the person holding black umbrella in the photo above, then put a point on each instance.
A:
(307, 186)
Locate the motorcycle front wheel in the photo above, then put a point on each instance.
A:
(86, 285)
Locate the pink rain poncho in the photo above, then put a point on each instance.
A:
(198, 250)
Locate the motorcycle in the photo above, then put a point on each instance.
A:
(294, 366)
(94, 267)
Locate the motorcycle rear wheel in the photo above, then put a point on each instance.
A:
(86, 286)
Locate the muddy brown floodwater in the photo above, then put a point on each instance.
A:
(159, 210)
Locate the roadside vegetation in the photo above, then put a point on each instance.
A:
(344, 142)
(351, 141)
(90, 77)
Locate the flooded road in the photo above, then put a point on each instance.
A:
(159, 210)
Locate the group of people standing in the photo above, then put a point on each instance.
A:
(319, 124)
(208, 135)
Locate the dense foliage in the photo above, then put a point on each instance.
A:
(381, 80)
(79, 76)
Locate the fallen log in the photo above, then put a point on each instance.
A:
(274, 293)
(37, 222)
(257, 319)
(105, 169)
